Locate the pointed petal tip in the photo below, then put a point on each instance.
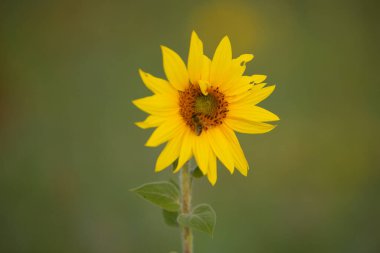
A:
(158, 168)
(225, 41)
(245, 173)
(258, 78)
(195, 36)
(248, 57)
(141, 72)
(165, 49)
(212, 180)
(150, 144)
(276, 118)
(137, 103)
(273, 127)
(140, 124)
(225, 37)
(194, 33)
(271, 87)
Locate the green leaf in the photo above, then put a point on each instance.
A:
(162, 194)
(170, 218)
(197, 173)
(171, 180)
(202, 218)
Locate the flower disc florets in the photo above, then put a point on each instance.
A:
(201, 112)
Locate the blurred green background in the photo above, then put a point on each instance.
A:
(69, 151)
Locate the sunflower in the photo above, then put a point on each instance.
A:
(198, 109)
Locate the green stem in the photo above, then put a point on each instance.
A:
(185, 182)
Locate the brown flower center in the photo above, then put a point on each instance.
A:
(202, 112)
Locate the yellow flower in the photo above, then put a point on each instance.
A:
(199, 108)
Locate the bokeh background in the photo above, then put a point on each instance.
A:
(69, 151)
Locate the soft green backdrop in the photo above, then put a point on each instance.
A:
(69, 151)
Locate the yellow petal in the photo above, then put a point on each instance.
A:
(239, 64)
(151, 121)
(243, 97)
(241, 85)
(158, 104)
(257, 87)
(243, 59)
(204, 85)
(186, 149)
(259, 95)
(175, 69)
(169, 154)
(201, 153)
(239, 158)
(220, 146)
(258, 78)
(155, 84)
(248, 127)
(195, 59)
(166, 131)
(236, 70)
(221, 62)
(251, 113)
(212, 169)
(205, 74)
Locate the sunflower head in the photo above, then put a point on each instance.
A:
(198, 109)
(201, 112)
